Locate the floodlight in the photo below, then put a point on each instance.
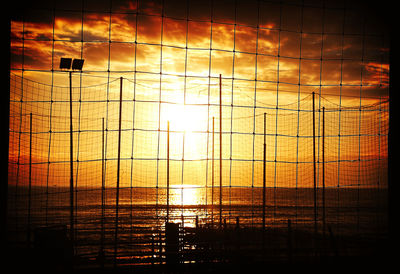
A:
(65, 63)
(77, 64)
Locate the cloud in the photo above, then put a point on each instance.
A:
(119, 40)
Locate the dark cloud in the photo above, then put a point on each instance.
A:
(295, 36)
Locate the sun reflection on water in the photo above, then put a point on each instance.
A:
(185, 195)
(186, 202)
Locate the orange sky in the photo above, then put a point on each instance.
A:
(286, 48)
(50, 35)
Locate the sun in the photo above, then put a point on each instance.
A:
(188, 126)
(186, 118)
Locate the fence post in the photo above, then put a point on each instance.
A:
(323, 172)
(314, 166)
(71, 184)
(30, 181)
(171, 244)
(118, 174)
(102, 194)
(167, 171)
(220, 151)
(212, 175)
(264, 175)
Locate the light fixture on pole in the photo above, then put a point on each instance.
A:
(65, 63)
(77, 64)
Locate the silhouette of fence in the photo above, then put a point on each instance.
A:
(325, 131)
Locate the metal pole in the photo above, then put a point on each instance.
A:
(212, 171)
(102, 187)
(314, 166)
(30, 180)
(167, 171)
(71, 184)
(323, 170)
(264, 173)
(220, 150)
(118, 174)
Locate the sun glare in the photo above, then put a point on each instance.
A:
(186, 118)
(185, 195)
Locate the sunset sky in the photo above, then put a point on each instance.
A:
(171, 54)
(136, 31)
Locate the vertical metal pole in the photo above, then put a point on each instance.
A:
(264, 172)
(167, 171)
(314, 166)
(118, 175)
(212, 171)
(30, 181)
(71, 184)
(323, 170)
(220, 150)
(102, 188)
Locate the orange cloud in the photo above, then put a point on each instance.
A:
(123, 39)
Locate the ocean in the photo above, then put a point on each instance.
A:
(142, 212)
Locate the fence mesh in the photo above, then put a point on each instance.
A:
(320, 79)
